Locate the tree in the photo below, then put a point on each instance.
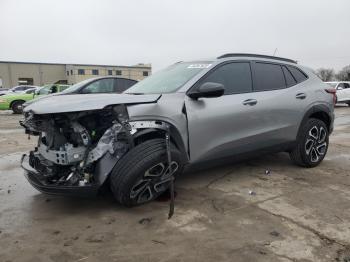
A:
(326, 74)
(344, 74)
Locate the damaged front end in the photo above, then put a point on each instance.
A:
(76, 151)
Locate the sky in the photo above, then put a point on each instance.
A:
(316, 33)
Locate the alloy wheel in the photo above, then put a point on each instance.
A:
(316, 143)
(154, 181)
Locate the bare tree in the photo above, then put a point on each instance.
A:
(344, 74)
(326, 74)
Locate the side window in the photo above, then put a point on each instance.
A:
(236, 77)
(62, 88)
(289, 78)
(30, 91)
(19, 88)
(346, 85)
(122, 84)
(268, 77)
(297, 74)
(99, 86)
(341, 85)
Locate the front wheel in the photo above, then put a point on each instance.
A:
(17, 107)
(312, 144)
(143, 174)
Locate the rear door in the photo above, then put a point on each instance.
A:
(281, 101)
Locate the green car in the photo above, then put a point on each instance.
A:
(16, 100)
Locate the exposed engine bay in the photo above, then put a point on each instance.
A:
(71, 144)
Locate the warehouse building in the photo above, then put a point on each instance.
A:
(38, 74)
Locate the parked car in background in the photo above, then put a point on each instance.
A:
(16, 89)
(108, 84)
(98, 85)
(343, 91)
(190, 113)
(51, 89)
(15, 100)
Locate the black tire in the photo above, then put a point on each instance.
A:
(138, 177)
(17, 107)
(312, 144)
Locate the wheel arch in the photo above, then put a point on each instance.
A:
(107, 162)
(17, 100)
(320, 112)
(175, 138)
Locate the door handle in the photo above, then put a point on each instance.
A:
(300, 96)
(250, 102)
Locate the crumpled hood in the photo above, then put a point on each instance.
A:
(74, 102)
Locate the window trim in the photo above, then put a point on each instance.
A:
(200, 81)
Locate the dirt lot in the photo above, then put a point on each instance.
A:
(295, 214)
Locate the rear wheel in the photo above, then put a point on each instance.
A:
(312, 144)
(143, 174)
(17, 107)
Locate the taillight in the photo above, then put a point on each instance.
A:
(332, 91)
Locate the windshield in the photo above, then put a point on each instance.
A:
(168, 80)
(76, 87)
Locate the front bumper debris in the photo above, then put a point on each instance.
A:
(34, 178)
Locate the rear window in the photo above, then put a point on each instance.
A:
(268, 77)
(297, 74)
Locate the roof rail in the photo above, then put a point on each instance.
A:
(260, 56)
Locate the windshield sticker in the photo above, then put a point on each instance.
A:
(199, 66)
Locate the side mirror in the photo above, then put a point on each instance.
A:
(340, 88)
(208, 89)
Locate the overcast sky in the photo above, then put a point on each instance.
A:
(161, 32)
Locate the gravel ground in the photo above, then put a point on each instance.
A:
(295, 214)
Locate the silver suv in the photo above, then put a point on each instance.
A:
(189, 113)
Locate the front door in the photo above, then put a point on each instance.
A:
(219, 127)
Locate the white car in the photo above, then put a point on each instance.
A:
(16, 89)
(343, 91)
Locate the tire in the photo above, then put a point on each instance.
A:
(141, 175)
(17, 107)
(312, 144)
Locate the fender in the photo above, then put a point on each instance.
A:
(319, 109)
(138, 129)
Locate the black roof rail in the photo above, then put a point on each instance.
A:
(260, 56)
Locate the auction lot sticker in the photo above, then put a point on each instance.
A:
(199, 66)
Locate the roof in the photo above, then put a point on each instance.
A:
(43, 63)
(257, 55)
